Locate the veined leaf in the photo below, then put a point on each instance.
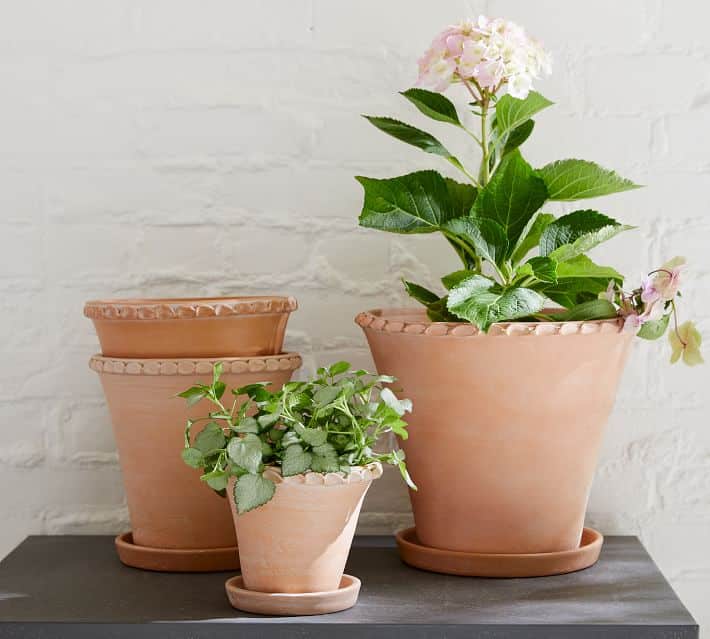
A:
(411, 135)
(245, 452)
(576, 233)
(582, 266)
(542, 268)
(324, 459)
(655, 328)
(485, 235)
(295, 461)
(530, 236)
(210, 438)
(419, 293)
(512, 112)
(517, 136)
(578, 179)
(415, 203)
(252, 491)
(433, 105)
(569, 292)
(512, 196)
(462, 197)
(480, 301)
(455, 278)
(591, 310)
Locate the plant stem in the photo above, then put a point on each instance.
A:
(484, 176)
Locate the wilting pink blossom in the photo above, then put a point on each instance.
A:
(666, 280)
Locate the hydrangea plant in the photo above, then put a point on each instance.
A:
(516, 259)
(329, 424)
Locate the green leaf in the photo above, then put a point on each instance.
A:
(517, 136)
(542, 268)
(411, 135)
(512, 196)
(247, 425)
(194, 394)
(481, 302)
(325, 459)
(438, 311)
(433, 105)
(314, 436)
(655, 328)
(455, 278)
(415, 203)
(252, 491)
(325, 395)
(419, 293)
(192, 457)
(578, 232)
(572, 291)
(217, 372)
(485, 235)
(462, 197)
(216, 480)
(295, 461)
(582, 266)
(577, 179)
(267, 420)
(210, 438)
(245, 452)
(219, 388)
(591, 310)
(512, 112)
(339, 368)
(530, 236)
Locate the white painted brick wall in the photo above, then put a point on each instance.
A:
(184, 147)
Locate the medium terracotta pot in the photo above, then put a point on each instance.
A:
(168, 505)
(506, 426)
(300, 540)
(195, 327)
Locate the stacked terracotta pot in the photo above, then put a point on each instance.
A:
(152, 349)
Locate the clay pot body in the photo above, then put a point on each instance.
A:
(168, 505)
(197, 327)
(300, 540)
(506, 426)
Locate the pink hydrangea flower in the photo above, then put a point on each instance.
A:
(666, 280)
(492, 53)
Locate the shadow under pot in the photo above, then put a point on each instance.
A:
(191, 327)
(504, 434)
(177, 523)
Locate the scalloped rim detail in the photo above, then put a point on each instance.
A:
(233, 365)
(356, 475)
(374, 320)
(171, 309)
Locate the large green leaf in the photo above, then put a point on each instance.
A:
(454, 279)
(433, 105)
(480, 301)
(415, 203)
(210, 438)
(419, 293)
(578, 179)
(462, 197)
(252, 491)
(512, 112)
(324, 459)
(542, 268)
(517, 136)
(245, 452)
(295, 461)
(591, 310)
(576, 233)
(485, 235)
(582, 266)
(412, 135)
(569, 292)
(530, 236)
(512, 196)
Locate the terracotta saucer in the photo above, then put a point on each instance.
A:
(293, 604)
(176, 560)
(471, 564)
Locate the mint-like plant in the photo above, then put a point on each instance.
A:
(329, 424)
(516, 259)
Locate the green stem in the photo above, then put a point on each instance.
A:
(485, 176)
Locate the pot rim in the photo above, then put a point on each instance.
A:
(412, 321)
(357, 474)
(172, 308)
(289, 361)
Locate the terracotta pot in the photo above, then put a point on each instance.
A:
(195, 327)
(168, 504)
(300, 540)
(506, 427)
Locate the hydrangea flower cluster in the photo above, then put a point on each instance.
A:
(653, 304)
(488, 54)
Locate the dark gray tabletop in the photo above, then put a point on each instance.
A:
(74, 587)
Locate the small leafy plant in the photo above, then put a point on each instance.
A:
(329, 424)
(516, 260)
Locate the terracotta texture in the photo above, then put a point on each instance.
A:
(176, 560)
(196, 327)
(300, 540)
(469, 564)
(506, 426)
(308, 603)
(169, 506)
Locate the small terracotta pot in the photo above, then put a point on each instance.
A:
(168, 504)
(300, 540)
(195, 327)
(506, 426)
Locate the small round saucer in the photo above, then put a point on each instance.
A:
(293, 604)
(473, 564)
(176, 560)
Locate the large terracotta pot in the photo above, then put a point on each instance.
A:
(168, 505)
(506, 426)
(195, 327)
(300, 540)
